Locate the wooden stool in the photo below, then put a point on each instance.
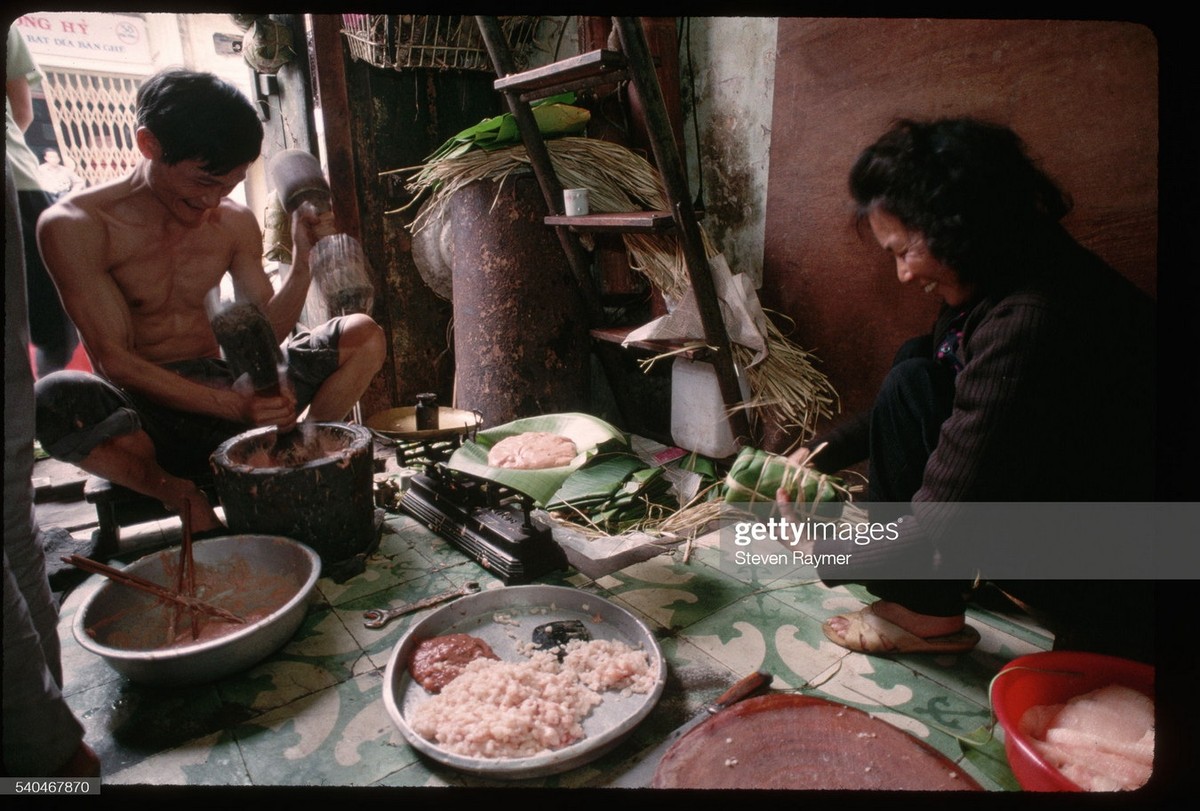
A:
(118, 507)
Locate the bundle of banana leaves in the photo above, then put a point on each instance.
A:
(555, 116)
(757, 475)
(617, 492)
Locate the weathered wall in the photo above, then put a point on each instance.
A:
(1082, 94)
(727, 64)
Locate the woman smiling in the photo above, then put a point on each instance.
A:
(1038, 373)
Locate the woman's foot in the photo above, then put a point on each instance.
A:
(886, 627)
(922, 625)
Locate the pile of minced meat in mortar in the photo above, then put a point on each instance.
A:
(484, 707)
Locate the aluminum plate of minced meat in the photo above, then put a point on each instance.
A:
(506, 619)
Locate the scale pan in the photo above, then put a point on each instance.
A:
(401, 423)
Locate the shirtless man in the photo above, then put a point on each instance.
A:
(134, 259)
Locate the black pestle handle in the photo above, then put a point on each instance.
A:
(249, 345)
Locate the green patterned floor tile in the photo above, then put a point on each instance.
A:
(566, 576)
(780, 571)
(340, 736)
(674, 594)
(438, 552)
(378, 643)
(703, 550)
(82, 669)
(402, 522)
(1028, 633)
(810, 598)
(321, 654)
(762, 632)
(693, 679)
(396, 561)
(969, 674)
(894, 692)
(989, 767)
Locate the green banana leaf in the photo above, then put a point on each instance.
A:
(500, 131)
(595, 483)
(986, 752)
(587, 432)
(700, 465)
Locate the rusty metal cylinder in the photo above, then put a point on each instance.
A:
(521, 339)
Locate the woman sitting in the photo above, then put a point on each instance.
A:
(1036, 384)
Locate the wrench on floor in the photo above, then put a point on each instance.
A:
(379, 617)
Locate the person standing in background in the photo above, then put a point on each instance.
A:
(53, 335)
(56, 176)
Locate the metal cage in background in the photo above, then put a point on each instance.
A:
(452, 42)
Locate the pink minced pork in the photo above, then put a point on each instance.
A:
(498, 709)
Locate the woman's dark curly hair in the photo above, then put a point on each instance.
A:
(968, 186)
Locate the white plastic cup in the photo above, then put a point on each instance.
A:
(575, 201)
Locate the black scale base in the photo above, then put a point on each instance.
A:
(490, 523)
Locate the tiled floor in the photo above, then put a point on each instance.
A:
(313, 714)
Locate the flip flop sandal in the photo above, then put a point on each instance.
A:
(868, 632)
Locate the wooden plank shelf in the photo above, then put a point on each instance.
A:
(593, 67)
(618, 222)
(617, 335)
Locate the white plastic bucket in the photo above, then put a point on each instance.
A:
(698, 416)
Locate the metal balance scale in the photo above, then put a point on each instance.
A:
(489, 522)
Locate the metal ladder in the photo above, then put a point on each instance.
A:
(632, 62)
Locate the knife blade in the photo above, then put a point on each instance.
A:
(640, 774)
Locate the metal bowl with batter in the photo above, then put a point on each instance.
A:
(266, 580)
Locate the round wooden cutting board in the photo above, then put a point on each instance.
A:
(791, 741)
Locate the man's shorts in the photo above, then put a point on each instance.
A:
(77, 411)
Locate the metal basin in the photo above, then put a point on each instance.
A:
(504, 618)
(266, 580)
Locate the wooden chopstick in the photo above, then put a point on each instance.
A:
(187, 566)
(133, 581)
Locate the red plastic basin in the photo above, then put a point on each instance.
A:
(1054, 677)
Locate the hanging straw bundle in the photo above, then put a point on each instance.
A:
(786, 387)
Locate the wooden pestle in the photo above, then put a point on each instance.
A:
(249, 345)
(298, 179)
(339, 265)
